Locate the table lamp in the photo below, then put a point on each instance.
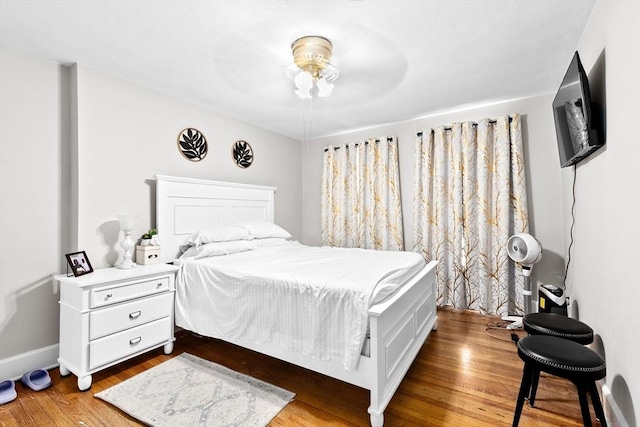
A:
(127, 224)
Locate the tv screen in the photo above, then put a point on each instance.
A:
(572, 110)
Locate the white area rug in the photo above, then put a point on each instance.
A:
(189, 391)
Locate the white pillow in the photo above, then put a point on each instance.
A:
(218, 249)
(264, 229)
(269, 241)
(225, 233)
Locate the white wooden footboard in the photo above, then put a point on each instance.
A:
(399, 327)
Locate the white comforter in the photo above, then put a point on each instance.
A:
(312, 300)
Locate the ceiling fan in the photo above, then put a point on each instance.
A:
(362, 64)
(311, 70)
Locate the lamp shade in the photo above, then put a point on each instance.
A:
(304, 84)
(324, 88)
(127, 222)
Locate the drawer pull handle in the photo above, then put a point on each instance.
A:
(153, 256)
(135, 341)
(159, 285)
(109, 295)
(135, 315)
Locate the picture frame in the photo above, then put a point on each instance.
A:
(79, 263)
(242, 154)
(192, 144)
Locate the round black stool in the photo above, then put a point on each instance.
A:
(566, 359)
(555, 325)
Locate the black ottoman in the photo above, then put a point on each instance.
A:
(566, 359)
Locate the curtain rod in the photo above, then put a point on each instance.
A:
(389, 139)
(473, 123)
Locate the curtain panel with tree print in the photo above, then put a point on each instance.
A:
(361, 206)
(469, 198)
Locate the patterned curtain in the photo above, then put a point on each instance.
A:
(361, 206)
(469, 198)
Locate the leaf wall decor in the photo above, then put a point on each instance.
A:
(192, 144)
(242, 154)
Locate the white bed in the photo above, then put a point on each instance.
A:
(398, 325)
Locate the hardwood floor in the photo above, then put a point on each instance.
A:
(463, 376)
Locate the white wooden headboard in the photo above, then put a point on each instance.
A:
(184, 205)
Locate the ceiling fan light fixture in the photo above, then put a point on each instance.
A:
(329, 73)
(304, 83)
(311, 56)
(324, 88)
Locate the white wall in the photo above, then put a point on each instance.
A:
(127, 134)
(79, 147)
(543, 175)
(605, 256)
(30, 141)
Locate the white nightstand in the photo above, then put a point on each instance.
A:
(112, 315)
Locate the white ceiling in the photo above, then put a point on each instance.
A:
(398, 60)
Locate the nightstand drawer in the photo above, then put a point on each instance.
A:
(131, 341)
(125, 291)
(128, 315)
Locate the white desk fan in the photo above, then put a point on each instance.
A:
(525, 250)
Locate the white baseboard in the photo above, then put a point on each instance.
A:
(12, 368)
(611, 410)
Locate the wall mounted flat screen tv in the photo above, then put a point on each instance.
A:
(573, 112)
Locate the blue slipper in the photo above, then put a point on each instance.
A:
(7, 391)
(37, 380)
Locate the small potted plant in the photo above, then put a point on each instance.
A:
(146, 237)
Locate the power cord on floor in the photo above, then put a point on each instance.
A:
(502, 326)
(498, 326)
(514, 337)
